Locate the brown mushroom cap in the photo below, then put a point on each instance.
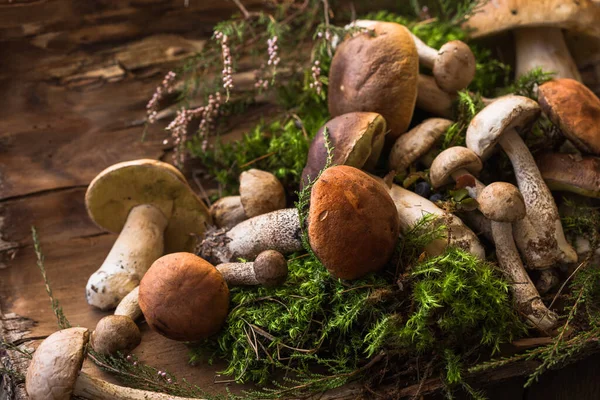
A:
(270, 268)
(119, 188)
(356, 138)
(353, 224)
(376, 71)
(451, 160)
(501, 202)
(575, 109)
(115, 333)
(184, 297)
(415, 143)
(565, 172)
(56, 364)
(454, 67)
(227, 212)
(260, 192)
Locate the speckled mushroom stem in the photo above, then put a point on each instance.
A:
(96, 389)
(129, 306)
(542, 225)
(238, 274)
(139, 244)
(544, 47)
(526, 296)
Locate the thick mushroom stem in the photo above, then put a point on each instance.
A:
(427, 55)
(139, 244)
(95, 389)
(130, 306)
(543, 227)
(526, 297)
(432, 99)
(269, 269)
(544, 47)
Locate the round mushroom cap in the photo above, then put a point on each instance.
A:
(376, 71)
(415, 143)
(500, 15)
(115, 333)
(451, 160)
(357, 139)
(227, 212)
(575, 109)
(184, 297)
(56, 364)
(507, 112)
(119, 188)
(260, 192)
(353, 224)
(454, 67)
(501, 202)
(270, 268)
(565, 172)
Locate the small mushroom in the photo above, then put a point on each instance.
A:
(575, 109)
(357, 139)
(496, 123)
(502, 203)
(566, 172)
(269, 269)
(154, 210)
(416, 143)
(453, 163)
(130, 306)
(260, 193)
(453, 65)
(376, 71)
(55, 373)
(115, 333)
(353, 226)
(184, 297)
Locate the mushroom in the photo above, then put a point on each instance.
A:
(260, 193)
(417, 143)
(184, 297)
(154, 210)
(546, 241)
(376, 71)
(278, 230)
(269, 270)
(537, 30)
(353, 226)
(575, 109)
(55, 373)
(453, 65)
(566, 172)
(502, 203)
(356, 138)
(115, 333)
(130, 306)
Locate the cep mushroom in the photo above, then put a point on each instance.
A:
(537, 28)
(453, 65)
(575, 109)
(154, 210)
(502, 203)
(376, 71)
(567, 172)
(55, 373)
(356, 138)
(496, 123)
(269, 270)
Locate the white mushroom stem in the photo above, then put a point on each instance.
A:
(543, 226)
(432, 99)
(526, 297)
(427, 55)
(92, 388)
(139, 244)
(544, 47)
(130, 306)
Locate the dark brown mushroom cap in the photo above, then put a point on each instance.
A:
(376, 71)
(270, 268)
(260, 192)
(184, 297)
(575, 109)
(356, 138)
(454, 67)
(56, 364)
(115, 333)
(501, 202)
(566, 172)
(451, 160)
(415, 143)
(353, 224)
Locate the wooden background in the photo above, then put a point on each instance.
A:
(75, 77)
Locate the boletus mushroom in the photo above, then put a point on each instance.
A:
(55, 373)
(571, 173)
(376, 71)
(154, 210)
